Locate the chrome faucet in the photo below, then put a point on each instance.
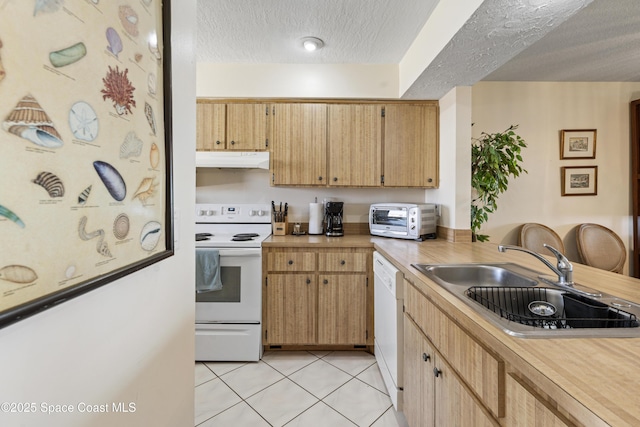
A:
(564, 270)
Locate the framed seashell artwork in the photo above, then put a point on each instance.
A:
(85, 148)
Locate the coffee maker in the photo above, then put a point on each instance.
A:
(333, 219)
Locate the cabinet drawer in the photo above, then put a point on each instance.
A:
(291, 261)
(343, 261)
(479, 369)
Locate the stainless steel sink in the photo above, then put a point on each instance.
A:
(479, 274)
(511, 297)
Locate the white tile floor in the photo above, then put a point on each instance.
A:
(294, 388)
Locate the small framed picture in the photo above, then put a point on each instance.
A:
(579, 180)
(578, 144)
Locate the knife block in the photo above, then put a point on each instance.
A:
(280, 228)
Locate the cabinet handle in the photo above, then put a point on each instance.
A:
(319, 178)
(436, 372)
(233, 143)
(426, 357)
(343, 262)
(290, 262)
(308, 280)
(335, 178)
(325, 281)
(429, 179)
(217, 142)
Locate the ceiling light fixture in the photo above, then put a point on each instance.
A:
(312, 43)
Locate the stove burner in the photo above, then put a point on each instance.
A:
(245, 235)
(242, 238)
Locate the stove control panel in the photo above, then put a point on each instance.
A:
(236, 213)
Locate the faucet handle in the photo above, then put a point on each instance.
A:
(559, 256)
(564, 265)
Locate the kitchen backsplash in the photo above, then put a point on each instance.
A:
(252, 186)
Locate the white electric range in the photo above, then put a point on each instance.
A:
(229, 314)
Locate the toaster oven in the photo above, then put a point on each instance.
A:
(403, 220)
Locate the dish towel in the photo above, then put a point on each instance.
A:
(208, 270)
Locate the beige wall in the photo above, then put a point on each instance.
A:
(131, 340)
(541, 110)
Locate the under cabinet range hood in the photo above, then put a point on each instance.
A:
(233, 159)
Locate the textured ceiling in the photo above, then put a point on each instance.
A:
(520, 40)
(270, 31)
(601, 43)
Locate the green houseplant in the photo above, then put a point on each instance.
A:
(494, 158)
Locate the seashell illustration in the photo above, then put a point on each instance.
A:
(111, 179)
(47, 6)
(70, 271)
(68, 55)
(150, 235)
(153, 48)
(154, 156)
(151, 83)
(131, 146)
(18, 274)
(118, 87)
(115, 42)
(101, 246)
(137, 57)
(29, 121)
(83, 121)
(82, 198)
(147, 2)
(146, 189)
(148, 112)
(7, 213)
(129, 20)
(121, 226)
(51, 183)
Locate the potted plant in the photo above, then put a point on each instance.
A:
(494, 158)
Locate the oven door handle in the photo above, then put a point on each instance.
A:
(244, 252)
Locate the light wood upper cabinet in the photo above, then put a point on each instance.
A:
(247, 127)
(299, 144)
(355, 145)
(210, 127)
(411, 145)
(239, 127)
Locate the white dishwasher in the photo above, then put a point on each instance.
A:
(388, 333)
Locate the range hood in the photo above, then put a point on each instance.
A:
(233, 159)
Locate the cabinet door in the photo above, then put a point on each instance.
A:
(291, 309)
(355, 145)
(210, 126)
(247, 127)
(342, 310)
(524, 409)
(418, 395)
(454, 403)
(411, 146)
(299, 144)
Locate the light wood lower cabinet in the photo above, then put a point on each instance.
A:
(433, 394)
(473, 386)
(525, 409)
(342, 309)
(291, 308)
(317, 297)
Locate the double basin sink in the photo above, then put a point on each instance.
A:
(515, 299)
